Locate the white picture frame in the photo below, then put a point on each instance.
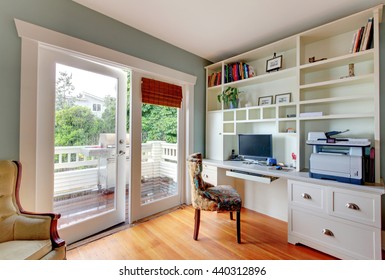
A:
(283, 98)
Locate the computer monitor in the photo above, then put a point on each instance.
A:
(255, 146)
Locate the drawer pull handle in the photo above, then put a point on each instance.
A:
(327, 232)
(352, 206)
(306, 196)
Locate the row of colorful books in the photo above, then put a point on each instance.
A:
(232, 72)
(215, 79)
(238, 71)
(362, 38)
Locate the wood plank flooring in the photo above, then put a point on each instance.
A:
(169, 237)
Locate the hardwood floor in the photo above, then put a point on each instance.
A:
(169, 237)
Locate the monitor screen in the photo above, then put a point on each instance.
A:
(255, 146)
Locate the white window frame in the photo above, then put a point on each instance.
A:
(32, 141)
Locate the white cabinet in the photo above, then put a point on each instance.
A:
(339, 221)
(214, 135)
(215, 176)
(218, 144)
(324, 95)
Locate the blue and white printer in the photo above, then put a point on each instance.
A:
(339, 159)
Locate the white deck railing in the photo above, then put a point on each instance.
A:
(77, 168)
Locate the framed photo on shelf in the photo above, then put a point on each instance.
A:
(265, 100)
(283, 98)
(274, 64)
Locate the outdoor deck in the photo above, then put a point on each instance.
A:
(84, 185)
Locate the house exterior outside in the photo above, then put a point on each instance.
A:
(93, 102)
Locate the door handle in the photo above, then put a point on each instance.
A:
(122, 152)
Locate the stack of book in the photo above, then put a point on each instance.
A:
(215, 79)
(238, 71)
(362, 38)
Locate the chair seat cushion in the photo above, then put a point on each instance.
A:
(221, 198)
(24, 249)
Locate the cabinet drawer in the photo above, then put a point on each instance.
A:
(209, 167)
(348, 240)
(358, 207)
(209, 174)
(307, 195)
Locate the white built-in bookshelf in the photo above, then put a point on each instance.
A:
(324, 95)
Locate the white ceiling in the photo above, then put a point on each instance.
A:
(218, 29)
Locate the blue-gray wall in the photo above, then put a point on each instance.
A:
(70, 18)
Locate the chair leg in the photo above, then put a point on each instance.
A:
(239, 226)
(197, 223)
(231, 216)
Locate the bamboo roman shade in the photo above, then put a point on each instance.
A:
(161, 93)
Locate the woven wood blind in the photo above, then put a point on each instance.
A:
(161, 93)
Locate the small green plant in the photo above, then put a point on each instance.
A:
(229, 97)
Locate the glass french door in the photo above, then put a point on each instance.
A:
(90, 163)
(157, 181)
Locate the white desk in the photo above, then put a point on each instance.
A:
(285, 173)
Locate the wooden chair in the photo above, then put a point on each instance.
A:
(221, 198)
(24, 234)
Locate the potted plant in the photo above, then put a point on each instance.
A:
(229, 97)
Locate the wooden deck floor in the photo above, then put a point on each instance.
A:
(169, 237)
(78, 206)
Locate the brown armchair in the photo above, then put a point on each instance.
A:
(24, 234)
(221, 198)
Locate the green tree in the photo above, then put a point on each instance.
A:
(109, 115)
(64, 89)
(159, 123)
(77, 126)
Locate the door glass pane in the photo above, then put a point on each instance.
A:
(85, 147)
(159, 152)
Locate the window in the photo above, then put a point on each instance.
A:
(96, 107)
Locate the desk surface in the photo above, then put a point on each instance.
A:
(288, 173)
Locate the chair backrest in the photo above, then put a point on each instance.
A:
(195, 170)
(9, 180)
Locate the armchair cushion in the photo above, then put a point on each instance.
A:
(25, 249)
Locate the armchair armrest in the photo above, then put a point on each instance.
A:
(54, 235)
(51, 220)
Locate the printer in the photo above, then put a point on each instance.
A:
(338, 159)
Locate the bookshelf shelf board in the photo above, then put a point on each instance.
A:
(264, 78)
(338, 116)
(336, 82)
(214, 88)
(335, 99)
(338, 61)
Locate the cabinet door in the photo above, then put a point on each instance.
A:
(214, 136)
